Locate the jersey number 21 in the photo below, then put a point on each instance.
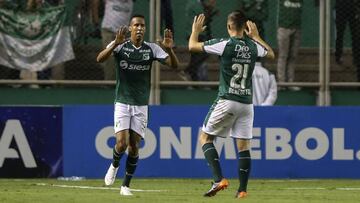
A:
(239, 79)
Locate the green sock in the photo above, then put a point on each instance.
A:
(131, 163)
(212, 158)
(244, 169)
(116, 158)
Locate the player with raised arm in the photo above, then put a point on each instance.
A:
(232, 113)
(133, 61)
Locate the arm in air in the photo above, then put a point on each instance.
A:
(119, 39)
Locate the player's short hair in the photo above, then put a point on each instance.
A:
(238, 19)
(136, 16)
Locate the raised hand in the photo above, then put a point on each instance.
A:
(252, 30)
(168, 40)
(121, 34)
(198, 24)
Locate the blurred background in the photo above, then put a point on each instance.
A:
(65, 65)
(54, 95)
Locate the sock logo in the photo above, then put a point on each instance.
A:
(245, 170)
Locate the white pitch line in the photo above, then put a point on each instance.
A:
(321, 188)
(305, 188)
(96, 188)
(348, 188)
(291, 180)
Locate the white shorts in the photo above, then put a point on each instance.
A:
(227, 117)
(131, 117)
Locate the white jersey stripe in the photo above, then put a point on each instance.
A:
(217, 48)
(159, 53)
(260, 49)
(118, 47)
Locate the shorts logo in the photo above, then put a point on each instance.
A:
(117, 124)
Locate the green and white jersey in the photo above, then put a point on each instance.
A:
(133, 71)
(289, 13)
(237, 61)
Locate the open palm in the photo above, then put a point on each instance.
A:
(121, 34)
(168, 40)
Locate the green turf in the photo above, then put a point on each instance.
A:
(179, 190)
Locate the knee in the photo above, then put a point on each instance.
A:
(243, 145)
(133, 150)
(243, 148)
(204, 138)
(201, 139)
(121, 145)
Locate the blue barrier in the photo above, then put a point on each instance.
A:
(30, 142)
(289, 142)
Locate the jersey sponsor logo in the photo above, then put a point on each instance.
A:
(236, 60)
(124, 65)
(145, 51)
(242, 51)
(128, 49)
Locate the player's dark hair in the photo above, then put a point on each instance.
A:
(238, 19)
(136, 16)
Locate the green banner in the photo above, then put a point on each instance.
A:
(34, 40)
(34, 25)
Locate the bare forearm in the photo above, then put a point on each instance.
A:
(194, 44)
(270, 54)
(106, 53)
(174, 62)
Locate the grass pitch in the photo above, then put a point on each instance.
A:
(177, 190)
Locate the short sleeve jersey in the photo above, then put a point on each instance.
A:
(133, 71)
(237, 61)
